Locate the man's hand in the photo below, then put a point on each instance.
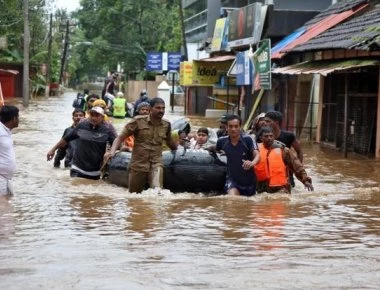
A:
(108, 155)
(309, 186)
(247, 165)
(50, 155)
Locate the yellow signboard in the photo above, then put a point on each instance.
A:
(209, 73)
(218, 34)
(186, 73)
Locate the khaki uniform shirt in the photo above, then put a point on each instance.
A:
(149, 138)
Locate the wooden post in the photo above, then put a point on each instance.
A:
(377, 153)
(48, 61)
(345, 122)
(320, 108)
(25, 79)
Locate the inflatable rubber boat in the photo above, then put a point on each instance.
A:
(184, 170)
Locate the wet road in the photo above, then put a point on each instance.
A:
(63, 233)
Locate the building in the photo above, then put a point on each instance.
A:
(200, 15)
(330, 78)
(282, 17)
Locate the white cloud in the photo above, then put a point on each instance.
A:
(70, 5)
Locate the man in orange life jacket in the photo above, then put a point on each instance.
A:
(275, 162)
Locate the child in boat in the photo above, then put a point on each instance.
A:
(201, 139)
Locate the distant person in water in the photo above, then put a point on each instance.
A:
(67, 151)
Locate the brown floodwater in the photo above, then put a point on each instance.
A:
(62, 233)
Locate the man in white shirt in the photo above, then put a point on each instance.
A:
(8, 120)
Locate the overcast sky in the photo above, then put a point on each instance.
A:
(70, 5)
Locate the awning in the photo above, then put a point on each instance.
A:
(11, 71)
(324, 67)
(317, 29)
(217, 58)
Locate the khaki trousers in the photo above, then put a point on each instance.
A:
(138, 179)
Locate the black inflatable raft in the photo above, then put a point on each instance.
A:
(184, 170)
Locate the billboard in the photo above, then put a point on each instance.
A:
(246, 24)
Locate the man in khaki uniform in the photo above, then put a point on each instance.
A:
(150, 132)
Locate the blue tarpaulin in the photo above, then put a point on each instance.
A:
(288, 39)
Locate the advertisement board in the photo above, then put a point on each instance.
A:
(262, 66)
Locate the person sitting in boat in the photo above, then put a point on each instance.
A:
(257, 124)
(276, 160)
(128, 143)
(201, 141)
(78, 115)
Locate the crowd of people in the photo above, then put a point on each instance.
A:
(261, 160)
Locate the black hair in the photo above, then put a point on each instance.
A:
(276, 116)
(77, 110)
(233, 117)
(7, 113)
(155, 101)
(86, 91)
(264, 129)
(203, 130)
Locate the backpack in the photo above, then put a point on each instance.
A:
(79, 101)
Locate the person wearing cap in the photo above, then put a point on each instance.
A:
(119, 106)
(150, 132)
(92, 136)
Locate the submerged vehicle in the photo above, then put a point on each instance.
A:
(184, 170)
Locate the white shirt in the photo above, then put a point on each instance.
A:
(7, 153)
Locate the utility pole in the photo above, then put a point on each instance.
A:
(66, 45)
(183, 31)
(48, 68)
(25, 79)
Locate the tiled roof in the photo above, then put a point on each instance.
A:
(361, 32)
(338, 7)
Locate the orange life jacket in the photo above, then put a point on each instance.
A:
(271, 167)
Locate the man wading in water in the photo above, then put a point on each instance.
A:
(150, 132)
(242, 155)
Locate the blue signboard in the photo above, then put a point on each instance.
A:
(154, 61)
(163, 61)
(243, 69)
(174, 59)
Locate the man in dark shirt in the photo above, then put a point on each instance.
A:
(78, 115)
(242, 155)
(92, 137)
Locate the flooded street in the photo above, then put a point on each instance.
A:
(57, 232)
